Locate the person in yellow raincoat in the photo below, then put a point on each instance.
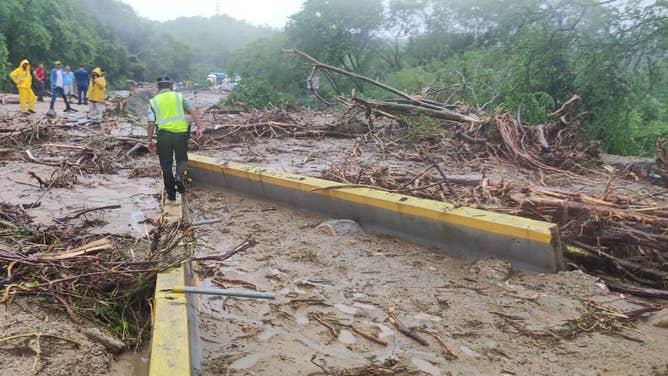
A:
(95, 95)
(22, 77)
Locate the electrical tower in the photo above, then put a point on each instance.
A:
(217, 7)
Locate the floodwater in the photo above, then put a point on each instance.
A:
(496, 320)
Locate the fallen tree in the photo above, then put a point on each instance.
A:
(555, 147)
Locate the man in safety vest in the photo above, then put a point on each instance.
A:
(167, 112)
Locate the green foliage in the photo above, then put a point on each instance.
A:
(270, 78)
(109, 34)
(5, 65)
(257, 94)
(490, 54)
(426, 128)
(410, 79)
(339, 32)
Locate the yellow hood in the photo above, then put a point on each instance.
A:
(24, 61)
(97, 71)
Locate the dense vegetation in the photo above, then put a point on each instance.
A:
(527, 55)
(109, 34)
(506, 54)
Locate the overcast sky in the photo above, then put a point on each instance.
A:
(258, 12)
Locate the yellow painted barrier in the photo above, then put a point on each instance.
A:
(496, 223)
(170, 342)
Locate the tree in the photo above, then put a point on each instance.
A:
(340, 32)
(403, 19)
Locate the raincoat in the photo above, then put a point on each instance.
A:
(23, 80)
(96, 87)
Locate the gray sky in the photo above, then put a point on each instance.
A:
(258, 12)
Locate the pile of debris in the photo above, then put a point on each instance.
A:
(278, 123)
(608, 234)
(557, 146)
(100, 278)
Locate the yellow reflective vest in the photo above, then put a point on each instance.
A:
(169, 113)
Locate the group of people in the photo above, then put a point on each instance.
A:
(90, 88)
(166, 112)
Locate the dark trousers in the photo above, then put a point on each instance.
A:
(39, 90)
(56, 92)
(81, 93)
(171, 146)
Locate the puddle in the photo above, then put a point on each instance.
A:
(131, 364)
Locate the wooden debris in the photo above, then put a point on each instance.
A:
(81, 212)
(404, 329)
(368, 336)
(447, 350)
(318, 318)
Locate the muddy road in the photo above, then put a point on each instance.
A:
(495, 320)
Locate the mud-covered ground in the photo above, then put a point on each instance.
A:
(496, 321)
(78, 353)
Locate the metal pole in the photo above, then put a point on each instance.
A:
(224, 292)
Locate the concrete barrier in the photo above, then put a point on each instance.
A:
(459, 231)
(175, 348)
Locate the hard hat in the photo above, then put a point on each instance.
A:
(165, 80)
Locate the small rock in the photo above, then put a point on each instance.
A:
(491, 269)
(335, 227)
(112, 344)
(660, 319)
(275, 274)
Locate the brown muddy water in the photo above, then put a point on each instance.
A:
(496, 320)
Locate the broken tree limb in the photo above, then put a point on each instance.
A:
(616, 285)
(33, 159)
(540, 135)
(248, 243)
(447, 349)
(404, 329)
(94, 246)
(585, 207)
(368, 336)
(439, 113)
(474, 140)
(355, 76)
(81, 212)
(572, 100)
